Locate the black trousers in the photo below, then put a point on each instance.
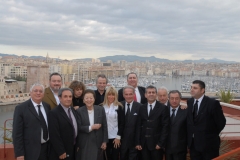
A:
(112, 153)
(176, 156)
(44, 151)
(207, 155)
(152, 154)
(127, 153)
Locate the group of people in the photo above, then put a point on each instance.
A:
(133, 123)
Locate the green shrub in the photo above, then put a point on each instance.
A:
(226, 97)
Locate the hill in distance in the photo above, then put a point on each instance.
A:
(132, 58)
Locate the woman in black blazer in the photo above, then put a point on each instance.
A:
(115, 121)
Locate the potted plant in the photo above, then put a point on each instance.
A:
(226, 97)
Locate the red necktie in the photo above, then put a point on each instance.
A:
(135, 97)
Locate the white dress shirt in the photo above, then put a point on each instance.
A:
(91, 119)
(55, 96)
(112, 121)
(138, 96)
(166, 103)
(44, 116)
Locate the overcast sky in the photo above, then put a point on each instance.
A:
(70, 29)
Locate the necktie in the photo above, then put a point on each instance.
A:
(128, 112)
(150, 110)
(43, 123)
(70, 117)
(173, 115)
(195, 109)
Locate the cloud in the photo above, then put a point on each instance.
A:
(185, 29)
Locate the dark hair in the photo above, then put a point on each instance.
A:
(61, 90)
(89, 91)
(201, 83)
(150, 87)
(54, 74)
(175, 91)
(101, 76)
(76, 84)
(131, 73)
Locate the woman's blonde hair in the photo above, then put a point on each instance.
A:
(111, 91)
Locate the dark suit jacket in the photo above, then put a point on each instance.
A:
(49, 98)
(100, 118)
(130, 126)
(141, 91)
(207, 126)
(121, 121)
(61, 133)
(177, 137)
(27, 130)
(168, 103)
(153, 130)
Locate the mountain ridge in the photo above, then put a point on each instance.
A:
(132, 58)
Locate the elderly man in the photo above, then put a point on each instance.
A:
(205, 121)
(51, 92)
(176, 148)
(30, 127)
(131, 109)
(101, 84)
(63, 127)
(162, 95)
(139, 96)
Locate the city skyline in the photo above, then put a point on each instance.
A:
(174, 30)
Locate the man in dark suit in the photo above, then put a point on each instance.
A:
(30, 127)
(132, 80)
(101, 84)
(51, 92)
(176, 148)
(205, 121)
(152, 127)
(162, 95)
(131, 110)
(63, 127)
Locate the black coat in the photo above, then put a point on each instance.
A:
(207, 126)
(98, 97)
(130, 126)
(177, 137)
(153, 130)
(121, 120)
(77, 102)
(61, 134)
(141, 91)
(27, 130)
